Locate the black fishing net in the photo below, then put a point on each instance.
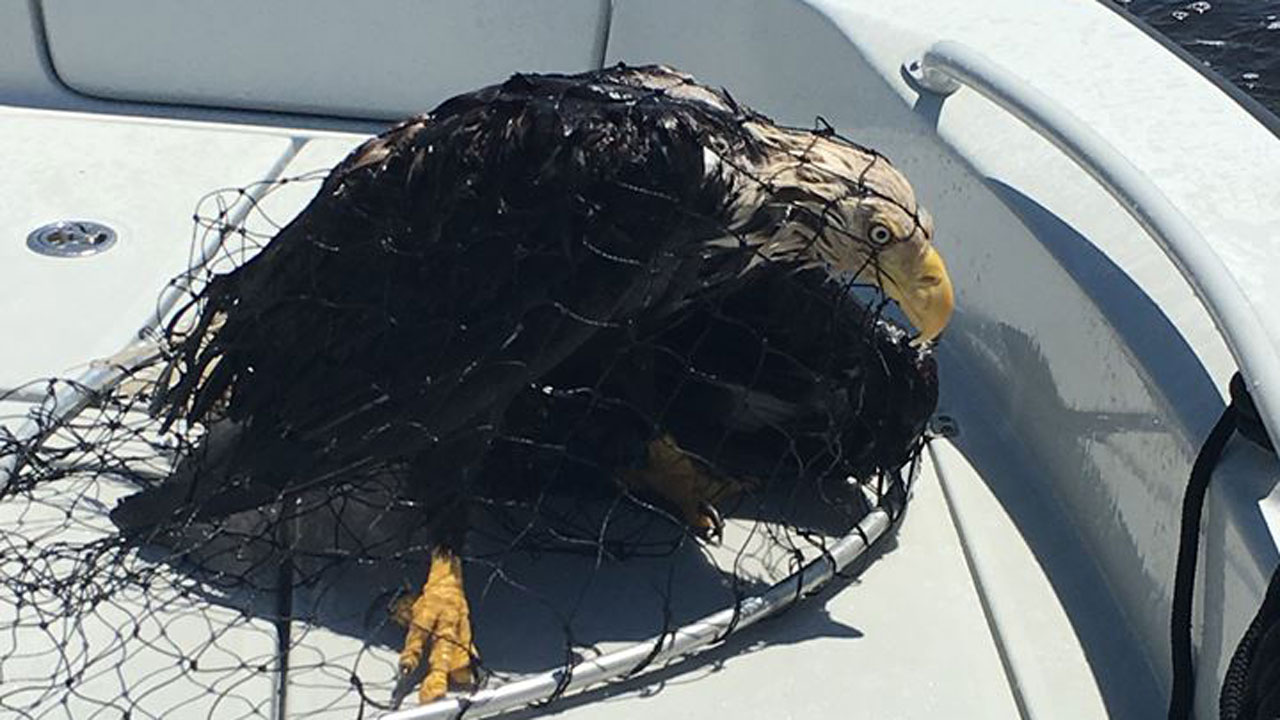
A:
(536, 332)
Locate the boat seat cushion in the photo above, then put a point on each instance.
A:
(374, 59)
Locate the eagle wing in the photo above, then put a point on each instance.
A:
(448, 263)
(777, 374)
(789, 376)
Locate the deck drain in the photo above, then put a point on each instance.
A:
(71, 238)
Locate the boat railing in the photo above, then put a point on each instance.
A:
(949, 65)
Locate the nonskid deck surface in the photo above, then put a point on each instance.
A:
(889, 638)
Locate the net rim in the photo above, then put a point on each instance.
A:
(635, 660)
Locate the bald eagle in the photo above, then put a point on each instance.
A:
(623, 265)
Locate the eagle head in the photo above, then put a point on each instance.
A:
(816, 199)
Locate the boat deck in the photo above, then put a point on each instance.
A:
(952, 613)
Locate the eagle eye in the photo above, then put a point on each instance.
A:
(880, 235)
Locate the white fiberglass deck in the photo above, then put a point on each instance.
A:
(911, 635)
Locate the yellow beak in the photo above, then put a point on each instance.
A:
(917, 279)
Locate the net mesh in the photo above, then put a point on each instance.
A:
(789, 402)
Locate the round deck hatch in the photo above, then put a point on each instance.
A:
(71, 238)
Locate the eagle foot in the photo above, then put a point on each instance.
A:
(679, 478)
(441, 618)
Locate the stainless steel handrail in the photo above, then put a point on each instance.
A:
(948, 64)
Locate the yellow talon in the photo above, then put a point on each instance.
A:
(672, 474)
(441, 615)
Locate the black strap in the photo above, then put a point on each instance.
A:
(1251, 688)
(1248, 422)
(1182, 695)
